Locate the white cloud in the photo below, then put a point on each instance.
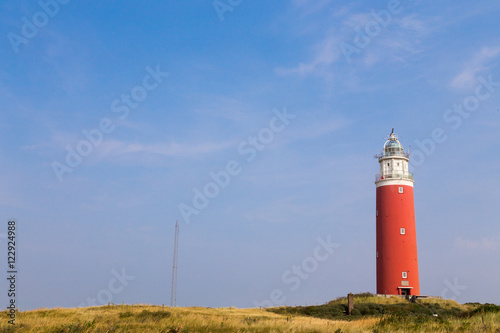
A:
(480, 63)
(141, 153)
(225, 107)
(397, 42)
(173, 149)
(320, 128)
(411, 22)
(326, 53)
(357, 20)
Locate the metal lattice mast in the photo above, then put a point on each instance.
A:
(173, 297)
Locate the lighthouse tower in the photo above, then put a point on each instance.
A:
(397, 263)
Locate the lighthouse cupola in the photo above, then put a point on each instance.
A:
(393, 161)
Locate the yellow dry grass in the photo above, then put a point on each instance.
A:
(148, 318)
(145, 318)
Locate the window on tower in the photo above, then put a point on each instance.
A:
(401, 189)
(402, 231)
(405, 275)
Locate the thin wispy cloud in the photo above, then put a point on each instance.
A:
(225, 107)
(397, 42)
(112, 149)
(132, 152)
(480, 63)
(325, 54)
(318, 129)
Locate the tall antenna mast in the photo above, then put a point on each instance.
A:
(173, 297)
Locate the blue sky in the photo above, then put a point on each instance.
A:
(293, 97)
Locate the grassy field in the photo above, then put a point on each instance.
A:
(396, 314)
(372, 314)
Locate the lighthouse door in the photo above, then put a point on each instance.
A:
(405, 291)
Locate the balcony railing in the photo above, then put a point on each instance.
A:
(392, 152)
(406, 175)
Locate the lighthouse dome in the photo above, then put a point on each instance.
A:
(393, 147)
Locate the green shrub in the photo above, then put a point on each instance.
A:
(485, 308)
(75, 327)
(125, 314)
(153, 315)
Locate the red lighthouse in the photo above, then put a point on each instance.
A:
(397, 262)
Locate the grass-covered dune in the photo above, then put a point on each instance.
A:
(397, 314)
(371, 314)
(143, 318)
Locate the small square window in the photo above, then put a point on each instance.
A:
(405, 275)
(388, 164)
(401, 189)
(402, 231)
(377, 254)
(377, 212)
(398, 164)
